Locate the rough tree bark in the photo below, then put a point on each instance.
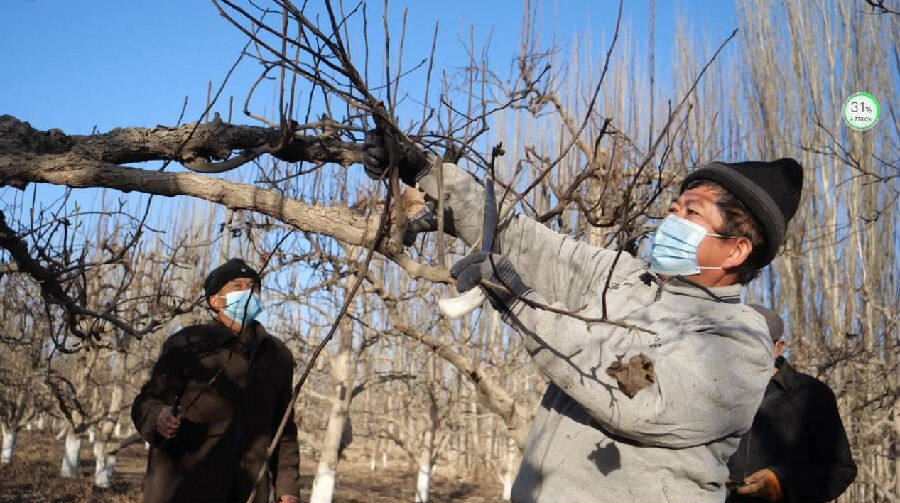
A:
(31, 156)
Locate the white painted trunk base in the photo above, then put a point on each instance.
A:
(9, 446)
(507, 486)
(423, 483)
(71, 456)
(104, 467)
(323, 486)
(117, 431)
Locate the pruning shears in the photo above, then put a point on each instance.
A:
(464, 304)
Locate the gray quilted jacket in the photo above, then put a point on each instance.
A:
(589, 441)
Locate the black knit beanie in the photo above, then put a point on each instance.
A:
(770, 190)
(233, 269)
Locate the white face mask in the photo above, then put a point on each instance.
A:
(675, 247)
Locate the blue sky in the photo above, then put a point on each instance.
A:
(104, 63)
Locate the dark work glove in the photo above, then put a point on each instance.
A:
(413, 163)
(494, 268)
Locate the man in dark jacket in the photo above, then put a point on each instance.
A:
(214, 401)
(797, 449)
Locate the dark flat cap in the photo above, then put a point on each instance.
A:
(232, 269)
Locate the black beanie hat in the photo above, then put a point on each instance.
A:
(770, 190)
(773, 321)
(233, 269)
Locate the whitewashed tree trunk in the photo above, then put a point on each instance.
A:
(71, 455)
(426, 457)
(104, 465)
(40, 421)
(423, 480)
(342, 371)
(512, 465)
(9, 444)
(507, 486)
(117, 431)
(323, 485)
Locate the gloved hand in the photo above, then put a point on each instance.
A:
(762, 484)
(491, 267)
(413, 163)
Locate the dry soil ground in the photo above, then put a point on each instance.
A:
(33, 477)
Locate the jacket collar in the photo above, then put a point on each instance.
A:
(250, 336)
(680, 285)
(786, 377)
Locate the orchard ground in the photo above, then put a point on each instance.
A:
(34, 477)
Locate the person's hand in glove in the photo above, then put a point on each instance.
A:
(493, 268)
(762, 484)
(413, 164)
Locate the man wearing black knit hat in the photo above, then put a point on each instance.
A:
(214, 400)
(650, 406)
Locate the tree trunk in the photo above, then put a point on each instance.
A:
(426, 457)
(9, 444)
(426, 468)
(509, 475)
(342, 371)
(423, 481)
(105, 464)
(71, 455)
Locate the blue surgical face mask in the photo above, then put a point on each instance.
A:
(242, 306)
(675, 247)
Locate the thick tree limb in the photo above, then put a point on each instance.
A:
(30, 156)
(188, 144)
